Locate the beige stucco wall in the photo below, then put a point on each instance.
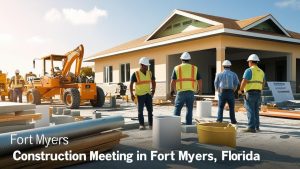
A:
(159, 54)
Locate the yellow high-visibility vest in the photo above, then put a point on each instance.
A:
(142, 86)
(186, 77)
(257, 80)
(17, 81)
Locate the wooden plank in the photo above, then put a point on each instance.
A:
(4, 118)
(8, 107)
(291, 115)
(74, 145)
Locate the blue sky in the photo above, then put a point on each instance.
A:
(34, 28)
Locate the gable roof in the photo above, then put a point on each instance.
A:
(219, 25)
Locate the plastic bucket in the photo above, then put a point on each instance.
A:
(217, 133)
(166, 132)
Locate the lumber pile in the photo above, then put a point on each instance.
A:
(17, 116)
(100, 142)
(160, 102)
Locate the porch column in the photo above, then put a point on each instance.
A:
(289, 68)
(220, 57)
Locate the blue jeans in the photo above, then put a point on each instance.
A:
(252, 102)
(226, 96)
(145, 100)
(186, 97)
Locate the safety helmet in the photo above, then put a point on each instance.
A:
(144, 61)
(253, 57)
(17, 71)
(185, 56)
(226, 63)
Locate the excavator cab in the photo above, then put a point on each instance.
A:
(59, 80)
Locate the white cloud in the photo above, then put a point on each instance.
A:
(53, 15)
(76, 16)
(37, 40)
(5, 38)
(295, 4)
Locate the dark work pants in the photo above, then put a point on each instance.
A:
(226, 96)
(145, 100)
(17, 93)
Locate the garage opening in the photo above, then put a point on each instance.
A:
(274, 64)
(205, 60)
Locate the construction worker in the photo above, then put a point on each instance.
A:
(17, 84)
(252, 84)
(226, 84)
(185, 80)
(142, 79)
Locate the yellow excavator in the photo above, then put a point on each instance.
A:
(69, 86)
(4, 91)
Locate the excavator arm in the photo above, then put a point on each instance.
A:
(74, 55)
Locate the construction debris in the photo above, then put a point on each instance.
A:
(17, 116)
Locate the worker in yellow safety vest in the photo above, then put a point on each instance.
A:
(143, 78)
(186, 81)
(252, 84)
(17, 84)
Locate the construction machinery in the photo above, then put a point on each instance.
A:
(63, 82)
(4, 91)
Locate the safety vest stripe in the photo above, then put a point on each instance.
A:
(180, 76)
(142, 82)
(138, 76)
(193, 73)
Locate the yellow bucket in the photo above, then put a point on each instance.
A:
(217, 133)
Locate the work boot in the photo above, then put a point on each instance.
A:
(249, 130)
(257, 129)
(150, 127)
(235, 122)
(142, 127)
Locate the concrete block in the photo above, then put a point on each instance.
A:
(60, 110)
(45, 120)
(132, 125)
(75, 113)
(97, 115)
(189, 129)
(67, 112)
(61, 119)
(54, 110)
(8, 107)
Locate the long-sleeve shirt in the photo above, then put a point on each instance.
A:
(226, 80)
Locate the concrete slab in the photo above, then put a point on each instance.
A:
(9, 107)
(189, 128)
(6, 129)
(61, 119)
(75, 113)
(67, 112)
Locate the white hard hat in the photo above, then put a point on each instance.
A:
(226, 63)
(185, 56)
(144, 61)
(17, 71)
(253, 57)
